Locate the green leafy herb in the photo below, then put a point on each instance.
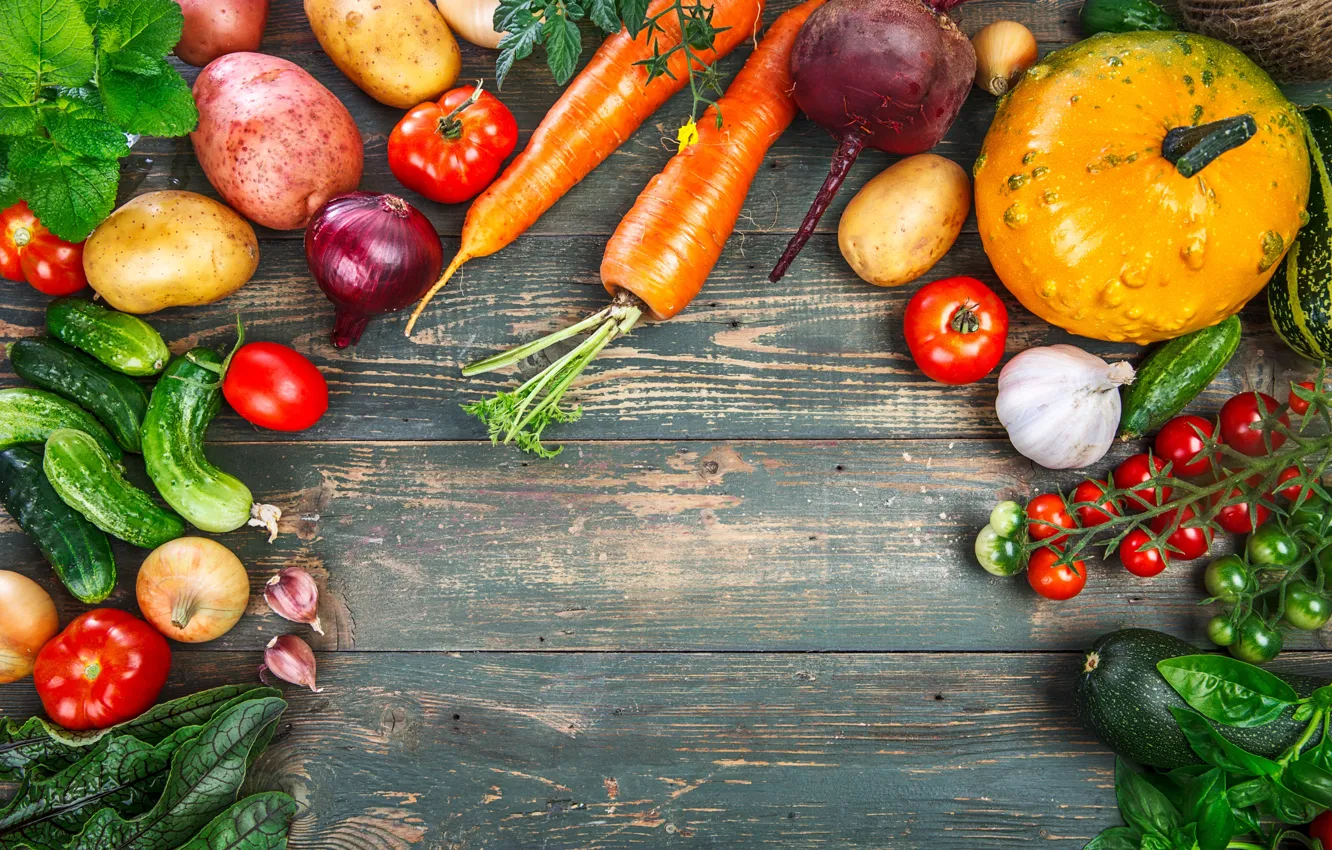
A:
(1227, 690)
(1214, 749)
(1142, 806)
(76, 76)
(259, 822)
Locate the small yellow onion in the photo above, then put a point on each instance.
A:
(193, 589)
(27, 621)
(473, 20)
(1004, 52)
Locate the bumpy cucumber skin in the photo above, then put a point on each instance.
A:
(78, 551)
(116, 400)
(1123, 16)
(28, 416)
(123, 342)
(1174, 374)
(184, 401)
(90, 483)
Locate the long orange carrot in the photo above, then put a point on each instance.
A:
(598, 112)
(667, 245)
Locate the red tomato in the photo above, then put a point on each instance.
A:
(1239, 414)
(449, 151)
(1139, 469)
(1143, 563)
(1186, 542)
(1293, 491)
(1299, 406)
(275, 387)
(29, 252)
(106, 667)
(1235, 518)
(1049, 507)
(956, 328)
(1092, 491)
(1321, 828)
(1180, 441)
(1055, 581)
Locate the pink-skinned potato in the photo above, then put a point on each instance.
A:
(272, 140)
(215, 28)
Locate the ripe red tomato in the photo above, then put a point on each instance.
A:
(1139, 469)
(1299, 406)
(1092, 491)
(1143, 563)
(1055, 581)
(1321, 828)
(1049, 507)
(1292, 492)
(1239, 414)
(29, 252)
(1186, 542)
(275, 387)
(450, 150)
(956, 329)
(1180, 441)
(1235, 518)
(106, 667)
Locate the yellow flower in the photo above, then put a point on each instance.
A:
(687, 135)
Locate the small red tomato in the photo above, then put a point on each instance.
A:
(1139, 469)
(450, 150)
(956, 329)
(1091, 491)
(1238, 416)
(1299, 406)
(1052, 580)
(1235, 518)
(106, 667)
(275, 387)
(1047, 508)
(1321, 828)
(29, 252)
(1186, 542)
(1180, 442)
(1142, 562)
(1292, 492)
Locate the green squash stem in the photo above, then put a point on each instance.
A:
(1191, 149)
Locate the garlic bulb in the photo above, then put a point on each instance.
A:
(474, 20)
(1061, 405)
(1004, 52)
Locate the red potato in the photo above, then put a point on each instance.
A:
(215, 28)
(274, 142)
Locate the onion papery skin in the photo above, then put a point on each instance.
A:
(371, 254)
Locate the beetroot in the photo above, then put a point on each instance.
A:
(891, 74)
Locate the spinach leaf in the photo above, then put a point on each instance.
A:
(260, 822)
(1227, 690)
(1214, 749)
(1141, 805)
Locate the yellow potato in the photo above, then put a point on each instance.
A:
(400, 52)
(904, 220)
(168, 249)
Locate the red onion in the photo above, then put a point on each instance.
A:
(371, 254)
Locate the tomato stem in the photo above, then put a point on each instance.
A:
(22, 236)
(450, 127)
(965, 321)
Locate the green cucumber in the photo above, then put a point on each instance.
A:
(1174, 374)
(1299, 297)
(1122, 699)
(90, 483)
(184, 401)
(118, 401)
(29, 416)
(1123, 16)
(125, 343)
(79, 551)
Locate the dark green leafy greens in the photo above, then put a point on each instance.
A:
(259, 822)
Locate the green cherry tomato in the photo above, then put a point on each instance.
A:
(1220, 630)
(1306, 609)
(1309, 515)
(1271, 546)
(1226, 578)
(1256, 643)
(999, 555)
(1007, 518)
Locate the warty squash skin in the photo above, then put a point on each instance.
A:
(1095, 230)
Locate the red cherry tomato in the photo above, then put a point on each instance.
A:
(1186, 542)
(1180, 442)
(1142, 562)
(1139, 469)
(106, 667)
(275, 387)
(29, 252)
(1299, 406)
(1240, 414)
(1092, 491)
(1050, 508)
(1055, 581)
(1292, 492)
(450, 150)
(1235, 518)
(1321, 828)
(956, 328)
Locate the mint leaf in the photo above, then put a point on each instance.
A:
(70, 193)
(87, 134)
(18, 111)
(604, 14)
(132, 62)
(8, 197)
(156, 105)
(564, 43)
(147, 27)
(45, 42)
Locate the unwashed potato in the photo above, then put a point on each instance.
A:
(400, 52)
(216, 27)
(904, 220)
(167, 249)
(274, 142)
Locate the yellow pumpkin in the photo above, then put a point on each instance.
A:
(1140, 186)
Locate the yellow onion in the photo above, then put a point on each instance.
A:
(1004, 52)
(193, 589)
(27, 621)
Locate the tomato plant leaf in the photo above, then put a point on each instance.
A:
(159, 104)
(522, 32)
(564, 43)
(604, 14)
(45, 42)
(258, 822)
(1214, 749)
(1115, 838)
(1227, 690)
(1141, 805)
(634, 15)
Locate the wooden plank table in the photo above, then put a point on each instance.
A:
(739, 611)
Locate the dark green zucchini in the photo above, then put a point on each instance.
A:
(1122, 699)
(79, 551)
(115, 399)
(1299, 297)
(1123, 16)
(1174, 374)
(125, 343)
(28, 416)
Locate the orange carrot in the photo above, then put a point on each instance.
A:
(667, 245)
(598, 112)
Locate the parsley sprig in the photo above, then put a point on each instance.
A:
(77, 77)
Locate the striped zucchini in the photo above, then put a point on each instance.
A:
(1300, 295)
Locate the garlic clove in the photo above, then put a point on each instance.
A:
(1004, 52)
(293, 595)
(290, 659)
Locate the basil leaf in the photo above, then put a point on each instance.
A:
(147, 27)
(1140, 804)
(1214, 749)
(1209, 808)
(45, 42)
(1184, 837)
(158, 104)
(1290, 807)
(1248, 793)
(1227, 690)
(1153, 841)
(260, 822)
(1248, 819)
(1115, 838)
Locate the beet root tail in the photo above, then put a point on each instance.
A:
(847, 151)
